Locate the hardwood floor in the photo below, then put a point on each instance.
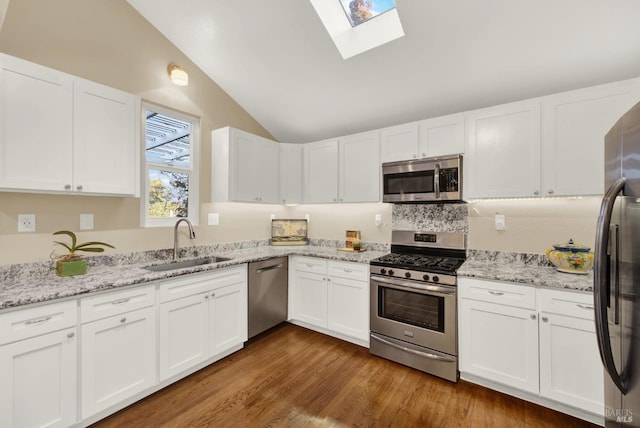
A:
(291, 377)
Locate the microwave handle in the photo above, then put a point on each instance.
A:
(436, 181)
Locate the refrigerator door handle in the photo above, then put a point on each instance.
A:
(601, 283)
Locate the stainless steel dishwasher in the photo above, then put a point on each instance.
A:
(268, 289)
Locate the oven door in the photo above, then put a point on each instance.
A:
(414, 312)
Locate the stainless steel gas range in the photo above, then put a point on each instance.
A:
(413, 301)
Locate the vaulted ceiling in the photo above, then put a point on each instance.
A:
(276, 59)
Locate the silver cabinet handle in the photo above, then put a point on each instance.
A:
(70, 335)
(79, 187)
(328, 279)
(415, 156)
(120, 301)
(213, 294)
(550, 191)
(347, 270)
(536, 192)
(587, 307)
(38, 321)
(533, 316)
(496, 293)
(123, 319)
(206, 296)
(278, 266)
(424, 155)
(67, 187)
(413, 351)
(545, 319)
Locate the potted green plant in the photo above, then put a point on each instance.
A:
(73, 263)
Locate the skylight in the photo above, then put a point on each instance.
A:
(355, 39)
(360, 11)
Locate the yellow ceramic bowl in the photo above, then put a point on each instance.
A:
(571, 258)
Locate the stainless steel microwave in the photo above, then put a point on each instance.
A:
(423, 180)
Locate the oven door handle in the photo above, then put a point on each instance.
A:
(413, 351)
(400, 284)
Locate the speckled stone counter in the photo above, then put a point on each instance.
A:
(36, 282)
(528, 269)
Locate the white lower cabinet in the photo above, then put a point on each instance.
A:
(331, 297)
(118, 358)
(541, 341)
(201, 316)
(39, 372)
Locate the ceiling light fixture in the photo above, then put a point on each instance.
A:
(178, 75)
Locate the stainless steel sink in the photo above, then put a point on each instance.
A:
(186, 263)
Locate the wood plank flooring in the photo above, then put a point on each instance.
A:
(294, 377)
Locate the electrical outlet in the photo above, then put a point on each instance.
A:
(308, 218)
(86, 221)
(378, 219)
(500, 222)
(273, 216)
(26, 222)
(213, 219)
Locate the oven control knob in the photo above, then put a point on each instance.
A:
(425, 277)
(383, 271)
(407, 274)
(435, 279)
(391, 272)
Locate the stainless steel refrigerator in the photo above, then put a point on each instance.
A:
(617, 273)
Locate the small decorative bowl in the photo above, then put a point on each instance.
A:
(571, 258)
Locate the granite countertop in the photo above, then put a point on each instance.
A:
(21, 287)
(524, 269)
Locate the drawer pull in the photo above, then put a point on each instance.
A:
(70, 335)
(213, 294)
(533, 316)
(347, 270)
(309, 264)
(120, 302)
(496, 293)
(123, 319)
(587, 307)
(545, 319)
(38, 321)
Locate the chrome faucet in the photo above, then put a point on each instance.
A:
(192, 235)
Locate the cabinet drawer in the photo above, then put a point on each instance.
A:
(356, 271)
(31, 322)
(502, 293)
(310, 264)
(573, 304)
(115, 303)
(198, 283)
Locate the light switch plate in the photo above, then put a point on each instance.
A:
(500, 222)
(378, 219)
(308, 218)
(213, 219)
(86, 221)
(26, 222)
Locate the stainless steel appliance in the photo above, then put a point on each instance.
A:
(423, 180)
(413, 301)
(268, 288)
(617, 273)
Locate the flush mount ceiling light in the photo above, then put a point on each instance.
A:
(178, 75)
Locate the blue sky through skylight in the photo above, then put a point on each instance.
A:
(366, 9)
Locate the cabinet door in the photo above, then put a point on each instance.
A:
(38, 387)
(309, 303)
(399, 142)
(321, 172)
(184, 334)
(499, 343)
(106, 140)
(290, 173)
(441, 136)
(360, 168)
(269, 183)
(570, 367)
(245, 166)
(348, 307)
(503, 151)
(36, 126)
(118, 359)
(227, 318)
(574, 126)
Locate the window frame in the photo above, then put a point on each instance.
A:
(193, 171)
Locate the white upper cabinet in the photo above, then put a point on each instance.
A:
(573, 128)
(321, 172)
(61, 133)
(290, 173)
(441, 136)
(245, 167)
(36, 126)
(105, 143)
(360, 168)
(399, 142)
(502, 153)
(438, 136)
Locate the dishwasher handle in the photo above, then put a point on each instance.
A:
(268, 268)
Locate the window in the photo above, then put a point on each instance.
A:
(171, 167)
(360, 11)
